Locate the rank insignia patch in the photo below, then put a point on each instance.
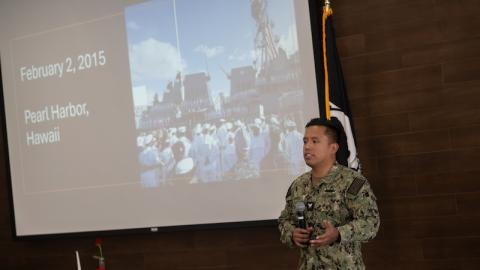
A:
(356, 185)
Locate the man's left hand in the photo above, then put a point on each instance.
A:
(330, 235)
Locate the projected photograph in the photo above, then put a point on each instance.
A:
(217, 90)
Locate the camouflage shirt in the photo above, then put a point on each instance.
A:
(344, 198)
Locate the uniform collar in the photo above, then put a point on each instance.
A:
(330, 177)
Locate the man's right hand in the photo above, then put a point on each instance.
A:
(301, 237)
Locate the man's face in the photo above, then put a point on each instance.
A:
(317, 148)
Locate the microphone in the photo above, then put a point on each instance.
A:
(300, 209)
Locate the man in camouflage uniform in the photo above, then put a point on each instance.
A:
(341, 210)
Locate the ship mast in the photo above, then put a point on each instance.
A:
(264, 40)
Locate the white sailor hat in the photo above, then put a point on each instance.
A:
(198, 129)
(184, 166)
(274, 120)
(148, 139)
(140, 140)
(290, 123)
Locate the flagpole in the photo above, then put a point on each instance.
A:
(327, 11)
(176, 33)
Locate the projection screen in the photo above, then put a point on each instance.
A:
(153, 114)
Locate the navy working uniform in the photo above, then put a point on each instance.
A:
(345, 199)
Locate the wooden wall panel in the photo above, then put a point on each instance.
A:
(467, 203)
(411, 249)
(409, 143)
(412, 70)
(393, 186)
(411, 207)
(372, 63)
(459, 181)
(466, 137)
(430, 227)
(460, 71)
(381, 125)
(398, 102)
(441, 53)
(397, 81)
(462, 248)
(404, 35)
(452, 117)
(351, 45)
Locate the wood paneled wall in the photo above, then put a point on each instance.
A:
(413, 75)
(412, 69)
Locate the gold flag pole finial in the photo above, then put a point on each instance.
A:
(326, 6)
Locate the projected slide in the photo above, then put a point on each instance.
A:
(150, 114)
(218, 93)
(69, 95)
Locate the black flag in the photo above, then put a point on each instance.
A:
(333, 92)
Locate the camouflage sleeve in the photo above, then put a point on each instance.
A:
(366, 219)
(286, 223)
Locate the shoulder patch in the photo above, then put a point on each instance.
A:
(356, 185)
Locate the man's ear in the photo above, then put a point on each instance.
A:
(334, 147)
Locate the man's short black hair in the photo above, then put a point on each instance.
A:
(333, 127)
